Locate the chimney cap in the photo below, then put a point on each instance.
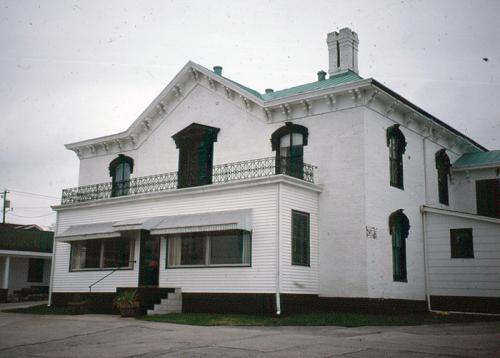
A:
(218, 70)
(321, 75)
(269, 90)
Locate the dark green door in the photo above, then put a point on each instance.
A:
(149, 264)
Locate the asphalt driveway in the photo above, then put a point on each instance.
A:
(23, 335)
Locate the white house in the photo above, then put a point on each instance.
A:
(335, 194)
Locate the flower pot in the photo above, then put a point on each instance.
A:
(129, 309)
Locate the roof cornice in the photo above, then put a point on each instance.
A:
(356, 93)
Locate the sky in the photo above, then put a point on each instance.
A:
(74, 70)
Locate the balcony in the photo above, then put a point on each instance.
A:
(224, 173)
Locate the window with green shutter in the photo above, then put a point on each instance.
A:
(399, 227)
(461, 244)
(397, 146)
(288, 142)
(119, 170)
(488, 197)
(300, 238)
(443, 168)
(196, 145)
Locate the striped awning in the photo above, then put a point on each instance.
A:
(88, 232)
(214, 221)
(163, 225)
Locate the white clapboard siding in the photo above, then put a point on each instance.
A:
(260, 277)
(478, 276)
(298, 279)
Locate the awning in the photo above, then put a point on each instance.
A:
(162, 225)
(89, 231)
(214, 221)
(138, 224)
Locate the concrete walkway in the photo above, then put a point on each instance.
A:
(24, 335)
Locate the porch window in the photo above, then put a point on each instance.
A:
(300, 238)
(443, 168)
(288, 142)
(35, 270)
(215, 248)
(397, 147)
(101, 254)
(399, 227)
(119, 170)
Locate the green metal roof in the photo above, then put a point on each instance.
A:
(478, 159)
(341, 78)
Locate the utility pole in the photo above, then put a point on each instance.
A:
(6, 204)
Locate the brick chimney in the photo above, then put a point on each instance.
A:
(342, 51)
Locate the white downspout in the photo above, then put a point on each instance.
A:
(424, 236)
(278, 242)
(53, 262)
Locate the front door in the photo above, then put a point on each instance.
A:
(149, 262)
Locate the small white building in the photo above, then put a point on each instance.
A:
(335, 194)
(25, 261)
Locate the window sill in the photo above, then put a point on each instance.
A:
(301, 265)
(102, 269)
(206, 266)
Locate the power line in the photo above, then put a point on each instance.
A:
(34, 194)
(30, 217)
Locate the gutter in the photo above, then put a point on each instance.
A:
(53, 263)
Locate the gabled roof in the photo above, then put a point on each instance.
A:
(279, 101)
(478, 160)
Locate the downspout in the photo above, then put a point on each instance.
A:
(424, 236)
(52, 263)
(278, 236)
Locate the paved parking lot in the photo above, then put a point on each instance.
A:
(110, 336)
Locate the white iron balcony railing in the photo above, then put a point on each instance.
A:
(223, 173)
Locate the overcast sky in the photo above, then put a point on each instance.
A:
(76, 70)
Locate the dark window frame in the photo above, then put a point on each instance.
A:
(396, 142)
(120, 187)
(459, 248)
(102, 258)
(196, 146)
(305, 257)
(398, 220)
(443, 167)
(488, 197)
(290, 160)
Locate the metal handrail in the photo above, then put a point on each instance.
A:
(222, 173)
(109, 274)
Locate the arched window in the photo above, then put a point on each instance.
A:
(399, 227)
(397, 146)
(443, 168)
(288, 143)
(119, 170)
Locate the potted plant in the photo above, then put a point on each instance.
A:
(127, 303)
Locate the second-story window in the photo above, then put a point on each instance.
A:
(288, 142)
(119, 170)
(196, 145)
(397, 147)
(443, 168)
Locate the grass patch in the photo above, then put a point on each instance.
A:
(316, 319)
(40, 309)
